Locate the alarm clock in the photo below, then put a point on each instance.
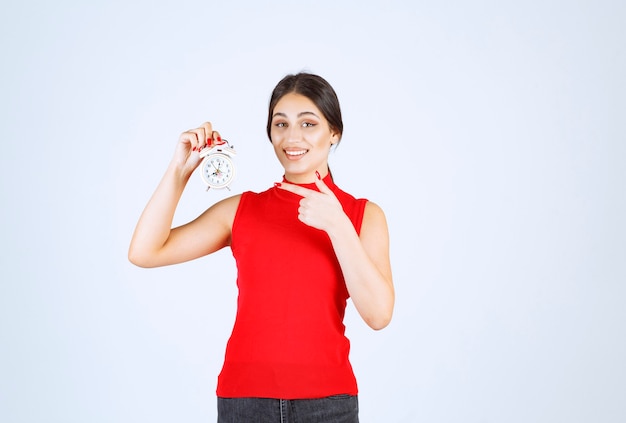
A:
(217, 168)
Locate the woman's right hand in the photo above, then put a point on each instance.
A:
(190, 143)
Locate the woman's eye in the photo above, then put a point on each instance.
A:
(280, 124)
(308, 124)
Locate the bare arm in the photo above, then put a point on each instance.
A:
(366, 265)
(154, 242)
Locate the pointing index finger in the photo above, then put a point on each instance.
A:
(296, 189)
(321, 185)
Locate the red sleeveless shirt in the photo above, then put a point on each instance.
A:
(288, 340)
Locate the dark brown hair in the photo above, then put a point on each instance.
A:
(316, 89)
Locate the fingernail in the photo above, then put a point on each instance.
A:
(194, 149)
(318, 175)
(219, 139)
(209, 141)
(277, 184)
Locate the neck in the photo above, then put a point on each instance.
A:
(301, 178)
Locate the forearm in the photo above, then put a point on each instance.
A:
(369, 283)
(154, 225)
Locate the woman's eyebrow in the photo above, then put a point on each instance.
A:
(299, 114)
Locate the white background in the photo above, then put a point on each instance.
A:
(492, 134)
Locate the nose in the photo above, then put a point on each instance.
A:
(294, 133)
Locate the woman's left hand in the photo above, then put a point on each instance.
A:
(321, 209)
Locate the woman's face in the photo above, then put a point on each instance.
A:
(301, 137)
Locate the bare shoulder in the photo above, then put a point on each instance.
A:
(228, 204)
(374, 237)
(373, 214)
(374, 223)
(207, 233)
(223, 211)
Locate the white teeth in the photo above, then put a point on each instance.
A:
(295, 153)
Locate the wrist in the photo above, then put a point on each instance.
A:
(179, 172)
(340, 228)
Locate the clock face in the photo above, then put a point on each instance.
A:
(217, 170)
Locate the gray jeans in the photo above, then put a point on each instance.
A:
(334, 409)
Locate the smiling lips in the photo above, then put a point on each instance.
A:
(295, 154)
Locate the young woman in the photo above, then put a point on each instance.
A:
(302, 247)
